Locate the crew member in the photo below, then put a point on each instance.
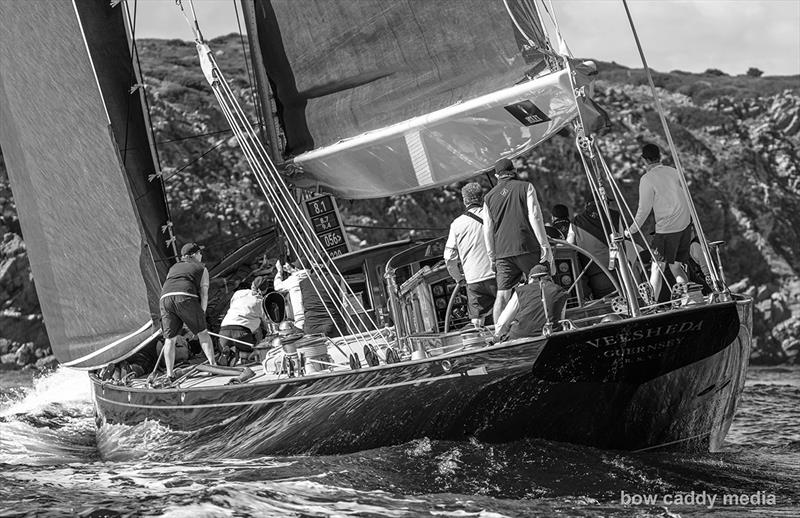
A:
(465, 243)
(291, 284)
(243, 321)
(184, 298)
(525, 313)
(323, 315)
(514, 232)
(661, 191)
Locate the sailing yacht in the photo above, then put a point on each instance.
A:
(362, 99)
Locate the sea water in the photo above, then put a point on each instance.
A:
(54, 463)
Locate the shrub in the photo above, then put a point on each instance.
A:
(714, 72)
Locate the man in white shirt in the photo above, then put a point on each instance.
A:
(661, 191)
(291, 284)
(466, 245)
(243, 321)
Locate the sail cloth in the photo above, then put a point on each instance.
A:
(64, 148)
(339, 69)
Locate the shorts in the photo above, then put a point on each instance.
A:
(240, 333)
(672, 247)
(511, 269)
(480, 297)
(177, 310)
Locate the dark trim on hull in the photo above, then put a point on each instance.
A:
(680, 393)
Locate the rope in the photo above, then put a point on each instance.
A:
(292, 222)
(239, 123)
(433, 229)
(699, 230)
(193, 26)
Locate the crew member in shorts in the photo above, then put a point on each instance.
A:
(661, 191)
(514, 232)
(184, 298)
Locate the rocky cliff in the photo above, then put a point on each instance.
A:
(737, 136)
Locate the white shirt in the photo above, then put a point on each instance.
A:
(465, 242)
(660, 190)
(292, 285)
(245, 310)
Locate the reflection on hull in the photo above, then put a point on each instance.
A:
(668, 380)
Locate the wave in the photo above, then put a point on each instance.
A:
(50, 422)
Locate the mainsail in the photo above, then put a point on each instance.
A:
(442, 89)
(74, 138)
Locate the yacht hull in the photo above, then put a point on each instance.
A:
(669, 380)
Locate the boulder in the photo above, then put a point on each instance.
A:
(9, 359)
(26, 354)
(48, 363)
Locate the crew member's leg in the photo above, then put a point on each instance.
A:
(171, 325)
(510, 271)
(207, 345)
(481, 297)
(682, 242)
(195, 319)
(508, 276)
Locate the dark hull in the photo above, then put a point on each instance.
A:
(668, 380)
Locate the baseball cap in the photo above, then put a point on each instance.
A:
(190, 249)
(503, 165)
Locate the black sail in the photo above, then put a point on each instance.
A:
(75, 142)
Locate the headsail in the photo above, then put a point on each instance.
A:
(78, 156)
(374, 64)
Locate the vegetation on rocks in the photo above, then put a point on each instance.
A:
(737, 137)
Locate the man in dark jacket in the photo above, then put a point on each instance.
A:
(322, 306)
(184, 298)
(514, 232)
(532, 306)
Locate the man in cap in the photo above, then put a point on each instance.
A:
(661, 191)
(184, 298)
(514, 232)
(465, 243)
(243, 321)
(532, 305)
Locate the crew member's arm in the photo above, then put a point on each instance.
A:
(451, 255)
(646, 196)
(503, 324)
(488, 234)
(537, 224)
(204, 282)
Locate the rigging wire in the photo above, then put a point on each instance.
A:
(676, 159)
(292, 221)
(304, 234)
(253, 90)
